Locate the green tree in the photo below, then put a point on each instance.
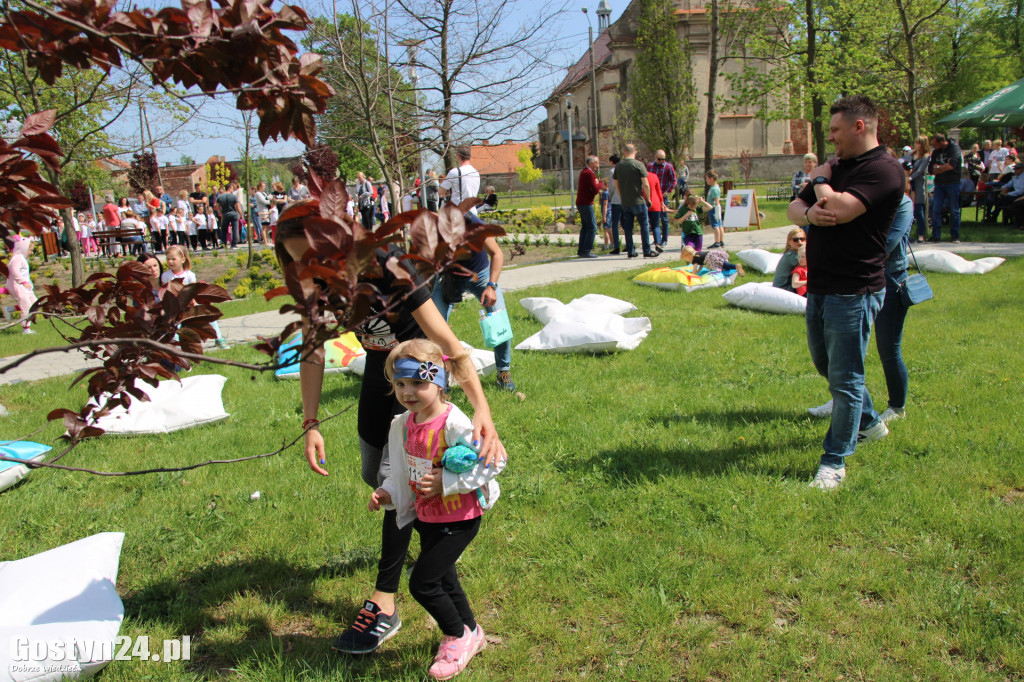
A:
(370, 123)
(528, 174)
(662, 97)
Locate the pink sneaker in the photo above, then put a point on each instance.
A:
(455, 653)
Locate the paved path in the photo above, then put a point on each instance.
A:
(248, 327)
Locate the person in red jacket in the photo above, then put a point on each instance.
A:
(589, 187)
(655, 211)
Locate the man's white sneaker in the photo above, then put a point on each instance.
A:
(828, 478)
(876, 432)
(821, 411)
(892, 413)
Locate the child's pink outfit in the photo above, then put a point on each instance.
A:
(458, 497)
(18, 283)
(446, 524)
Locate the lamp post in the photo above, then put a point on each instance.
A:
(572, 191)
(592, 113)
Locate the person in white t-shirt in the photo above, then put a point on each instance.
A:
(407, 201)
(462, 182)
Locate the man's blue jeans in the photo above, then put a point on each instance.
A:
(588, 229)
(838, 330)
(640, 211)
(615, 218)
(922, 226)
(663, 225)
(946, 195)
(660, 233)
(503, 351)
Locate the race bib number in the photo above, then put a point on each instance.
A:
(418, 468)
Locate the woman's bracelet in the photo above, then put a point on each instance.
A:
(310, 422)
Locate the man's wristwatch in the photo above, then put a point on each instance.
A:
(493, 285)
(820, 180)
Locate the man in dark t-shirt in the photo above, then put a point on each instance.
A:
(197, 199)
(634, 190)
(230, 216)
(947, 160)
(848, 207)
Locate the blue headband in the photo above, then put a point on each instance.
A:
(408, 368)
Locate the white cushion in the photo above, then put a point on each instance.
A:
(583, 332)
(172, 406)
(602, 303)
(542, 308)
(61, 597)
(766, 298)
(545, 309)
(944, 261)
(760, 260)
(27, 451)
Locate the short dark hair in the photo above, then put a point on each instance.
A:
(854, 107)
(711, 174)
(939, 137)
(464, 151)
(614, 158)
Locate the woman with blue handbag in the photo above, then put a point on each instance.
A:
(890, 319)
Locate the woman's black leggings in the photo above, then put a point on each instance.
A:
(434, 582)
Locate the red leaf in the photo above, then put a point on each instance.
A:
(39, 122)
(334, 200)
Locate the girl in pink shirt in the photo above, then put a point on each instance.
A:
(445, 507)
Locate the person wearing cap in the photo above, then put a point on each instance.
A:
(908, 154)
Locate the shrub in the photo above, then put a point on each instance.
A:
(241, 291)
(550, 185)
(540, 217)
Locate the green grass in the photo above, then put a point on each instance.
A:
(655, 521)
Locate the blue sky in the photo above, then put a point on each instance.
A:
(202, 139)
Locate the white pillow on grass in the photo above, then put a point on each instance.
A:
(61, 597)
(766, 298)
(542, 308)
(172, 406)
(545, 309)
(581, 332)
(760, 260)
(602, 303)
(944, 261)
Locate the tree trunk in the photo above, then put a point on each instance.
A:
(817, 105)
(911, 70)
(74, 246)
(709, 124)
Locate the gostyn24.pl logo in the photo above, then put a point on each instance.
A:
(41, 651)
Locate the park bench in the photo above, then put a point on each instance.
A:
(779, 193)
(110, 239)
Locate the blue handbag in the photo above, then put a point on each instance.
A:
(496, 327)
(915, 288)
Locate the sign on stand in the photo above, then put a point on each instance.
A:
(741, 209)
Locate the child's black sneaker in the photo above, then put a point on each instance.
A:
(371, 629)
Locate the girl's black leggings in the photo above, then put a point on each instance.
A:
(434, 582)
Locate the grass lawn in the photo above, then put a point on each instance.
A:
(655, 520)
